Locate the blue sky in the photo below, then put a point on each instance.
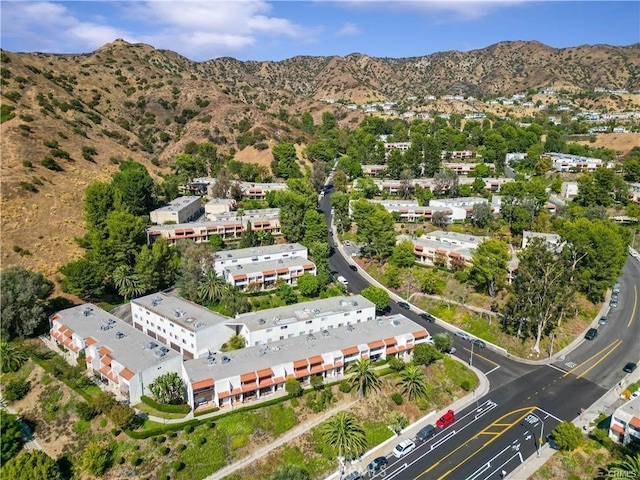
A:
(264, 30)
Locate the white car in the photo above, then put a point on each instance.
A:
(403, 448)
(463, 335)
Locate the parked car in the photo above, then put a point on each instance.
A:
(591, 334)
(462, 335)
(446, 420)
(404, 305)
(629, 367)
(403, 448)
(616, 288)
(428, 317)
(479, 343)
(551, 440)
(353, 476)
(613, 303)
(377, 464)
(347, 243)
(426, 433)
(353, 267)
(603, 320)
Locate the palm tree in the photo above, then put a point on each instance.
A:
(345, 433)
(364, 377)
(11, 357)
(212, 287)
(624, 469)
(413, 381)
(168, 388)
(127, 282)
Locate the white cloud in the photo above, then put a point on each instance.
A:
(204, 30)
(460, 10)
(348, 29)
(197, 29)
(51, 27)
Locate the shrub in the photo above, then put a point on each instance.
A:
(136, 460)
(181, 447)
(51, 164)
(317, 382)
(27, 164)
(345, 386)
(29, 187)
(85, 411)
(164, 450)
(120, 460)
(16, 390)
(177, 465)
(188, 429)
(396, 364)
(161, 407)
(293, 387)
(397, 398)
(202, 440)
(161, 439)
(465, 385)
(568, 437)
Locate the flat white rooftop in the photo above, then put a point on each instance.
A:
(242, 253)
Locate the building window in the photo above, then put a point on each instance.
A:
(290, 335)
(340, 324)
(346, 314)
(184, 341)
(303, 332)
(269, 330)
(359, 311)
(191, 337)
(192, 345)
(171, 325)
(284, 327)
(148, 313)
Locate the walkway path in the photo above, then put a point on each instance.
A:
(287, 437)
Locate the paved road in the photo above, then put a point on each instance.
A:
(526, 399)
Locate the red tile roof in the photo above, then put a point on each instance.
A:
(203, 384)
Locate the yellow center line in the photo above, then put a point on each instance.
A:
(603, 357)
(590, 358)
(527, 411)
(635, 303)
(482, 357)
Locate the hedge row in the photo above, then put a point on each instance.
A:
(152, 432)
(161, 407)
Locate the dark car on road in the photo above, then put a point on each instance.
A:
(377, 464)
(353, 267)
(591, 334)
(479, 343)
(426, 433)
(428, 317)
(629, 367)
(404, 305)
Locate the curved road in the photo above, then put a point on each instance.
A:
(526, 401)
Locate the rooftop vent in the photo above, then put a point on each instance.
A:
(178, 313)
(159, 353)
(325, 333)
(262, 321)
(155, 301)
(396, 322)
(120, 335)
(354, 303)
(316, 311)
(189, 320)
(198, 324)
(87, 311)
(280, 260)
(226, 359)
(104, 327)
(151, 345)
(350, 328)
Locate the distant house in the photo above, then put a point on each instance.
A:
(569, 190)
(625, 422)
(553, 241)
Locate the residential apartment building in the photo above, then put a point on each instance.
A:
(553, 241)
(634, 192)
(461, 207)
(263, 275)
(563, 162)
(625, 422)
(125, 359)
(179, 210)
(267, 326)
(443, 248)
(394, 186)
(216, 206)
(258, 371)
(184, 326)
(465, 168)
(245, 256)
(569, 190)
(411, 211)
(402, 146)
(255, 190)
(458, 154)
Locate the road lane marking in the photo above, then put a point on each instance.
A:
(527, 411)
(590, 358)
(557, 368)
(476, 354)
(635, 304)
(598, 362)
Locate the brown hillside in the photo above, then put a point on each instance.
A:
(132, 100)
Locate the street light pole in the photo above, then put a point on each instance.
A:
(471, 357)
(541, 433)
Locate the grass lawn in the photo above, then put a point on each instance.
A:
(143, 407)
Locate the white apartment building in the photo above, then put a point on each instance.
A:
(553, 241)
(411, 211)
(245, 256)
(257, 371)
(458, 154)
(264, 274)
(179, 210)
(124, 358)
(634, 192)
(184, 326)
(216, 206)
(431, 251)
(394, 186)
(313, 317)
(204, 185)
(461, 207)
(569, 190)
(563, 162)
(402, 146)
(625, 422)
(465, 168)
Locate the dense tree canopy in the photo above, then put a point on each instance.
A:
(22, 294)
(31, 465)
(489, 265)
